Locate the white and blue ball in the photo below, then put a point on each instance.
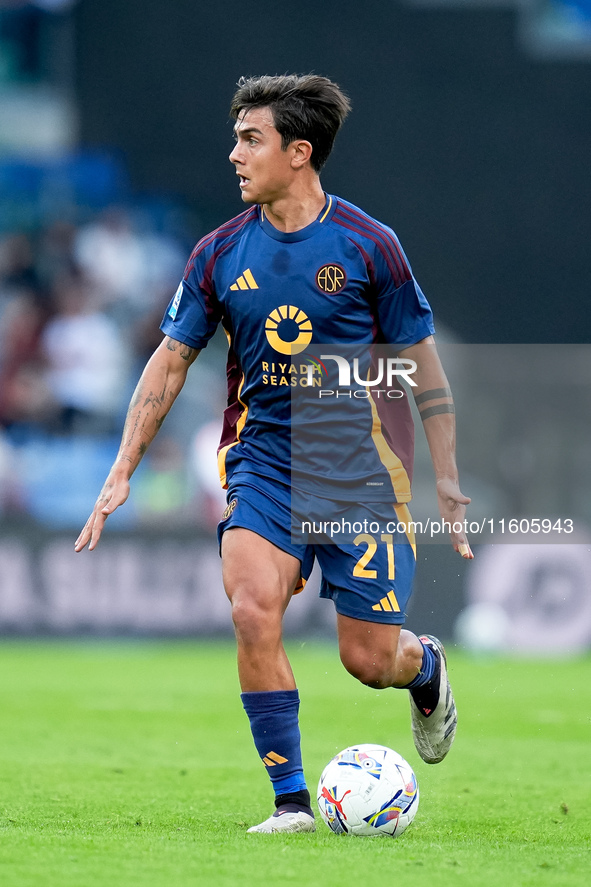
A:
(368, 790)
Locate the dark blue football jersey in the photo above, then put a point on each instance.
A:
(343, 279)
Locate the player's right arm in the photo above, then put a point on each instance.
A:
(156, 391)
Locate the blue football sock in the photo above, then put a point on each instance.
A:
(428, 668)
(273, 719)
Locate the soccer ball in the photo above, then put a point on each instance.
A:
(368, 790)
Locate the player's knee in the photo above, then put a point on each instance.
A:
(374, 669)
(255, 620)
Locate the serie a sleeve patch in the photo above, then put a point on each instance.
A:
(173, 310)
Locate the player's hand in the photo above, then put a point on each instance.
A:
(452, 508)
(113, 494)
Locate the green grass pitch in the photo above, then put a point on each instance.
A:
(132, 764)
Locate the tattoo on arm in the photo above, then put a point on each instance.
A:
(432, 394)
(148, 408)
(154, 399)
(185, 351)
(437, 410)
(135, 399)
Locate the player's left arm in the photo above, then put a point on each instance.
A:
(434, 400)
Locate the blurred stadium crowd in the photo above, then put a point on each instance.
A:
(80, 307)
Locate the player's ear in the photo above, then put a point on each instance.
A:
(301, 153)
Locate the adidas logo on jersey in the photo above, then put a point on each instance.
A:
(388, 604)
(245, 282)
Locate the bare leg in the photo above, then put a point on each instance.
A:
(259, 579)
(377, 654)
(385, 656)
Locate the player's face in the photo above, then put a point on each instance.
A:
(265, 170)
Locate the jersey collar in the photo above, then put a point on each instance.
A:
(323, 217)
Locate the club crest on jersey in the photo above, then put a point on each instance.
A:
(288, 329)
(331, 278)
(229, 509)
(172, 311)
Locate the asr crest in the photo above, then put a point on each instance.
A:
(331, 279)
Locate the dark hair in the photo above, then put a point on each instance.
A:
(304, 107)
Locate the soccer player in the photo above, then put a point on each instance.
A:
(297, 267)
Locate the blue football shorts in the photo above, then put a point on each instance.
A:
(367, 569)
